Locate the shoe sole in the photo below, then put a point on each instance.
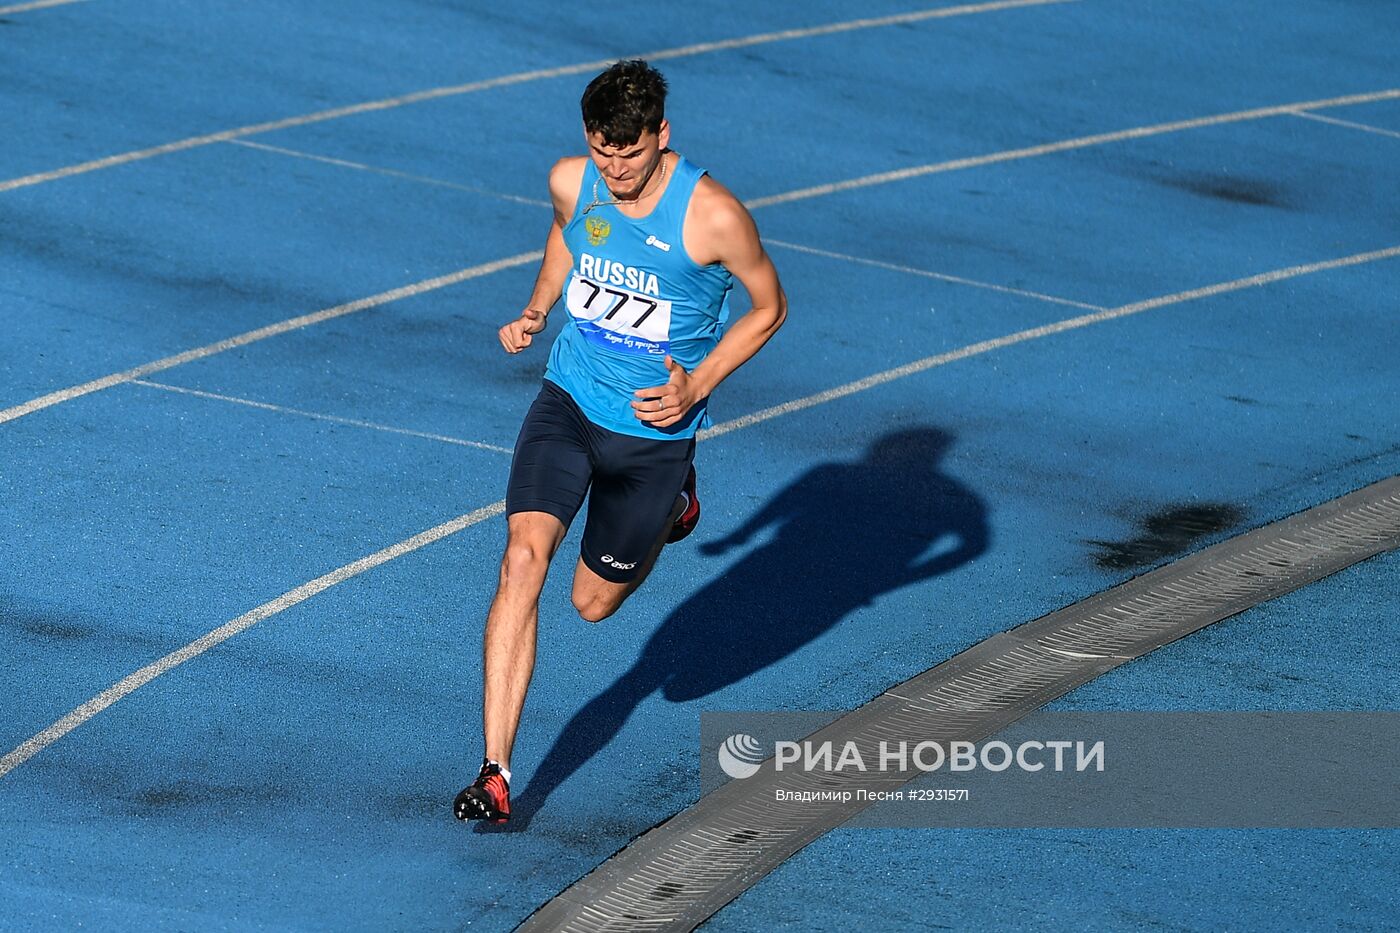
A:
(482, 812)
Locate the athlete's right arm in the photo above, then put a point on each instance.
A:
(564, 181)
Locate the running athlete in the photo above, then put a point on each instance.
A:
(644, 249)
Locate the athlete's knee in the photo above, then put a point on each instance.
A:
(595, 607)
(524, 564)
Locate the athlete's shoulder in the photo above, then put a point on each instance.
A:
(716, 201)
(719, 222)
(564, 180)
(569, 168)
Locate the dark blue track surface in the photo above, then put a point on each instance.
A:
(299, 775)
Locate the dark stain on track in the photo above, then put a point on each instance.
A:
(1229, 188)
(161, 797)
(1170, 531)
(53, 629)
(63, 630)
(180, 795)
(43, 626)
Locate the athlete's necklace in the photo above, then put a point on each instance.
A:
(660, 176)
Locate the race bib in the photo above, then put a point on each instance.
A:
(618, 318)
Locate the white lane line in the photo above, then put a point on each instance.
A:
(522, 77)
(262, 333)
(145, 675)
(334, 419)
(537, 202)
(931, 275)
(392, 173)
(37, 5)
(986, 346)
(1364, 127)
(64, 395)
(1082, 142)
(223, 633)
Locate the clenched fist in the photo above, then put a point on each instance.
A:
(520, 333)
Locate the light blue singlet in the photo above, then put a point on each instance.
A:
(635, 295)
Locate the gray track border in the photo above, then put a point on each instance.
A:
(678, 874)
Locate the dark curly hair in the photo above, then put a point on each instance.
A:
(623, 101)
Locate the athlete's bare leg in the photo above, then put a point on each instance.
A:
(509, 645)
(596, 598)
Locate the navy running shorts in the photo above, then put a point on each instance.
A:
(635, 482)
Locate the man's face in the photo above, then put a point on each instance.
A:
(626, 169)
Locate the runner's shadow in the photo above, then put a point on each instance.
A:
(843, 534)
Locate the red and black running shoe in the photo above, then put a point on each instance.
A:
(488, 797)
(690, 515)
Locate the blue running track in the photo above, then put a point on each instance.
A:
(926, 185)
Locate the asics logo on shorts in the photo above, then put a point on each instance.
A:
(617, 564)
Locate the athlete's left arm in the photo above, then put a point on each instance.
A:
(726, 235)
